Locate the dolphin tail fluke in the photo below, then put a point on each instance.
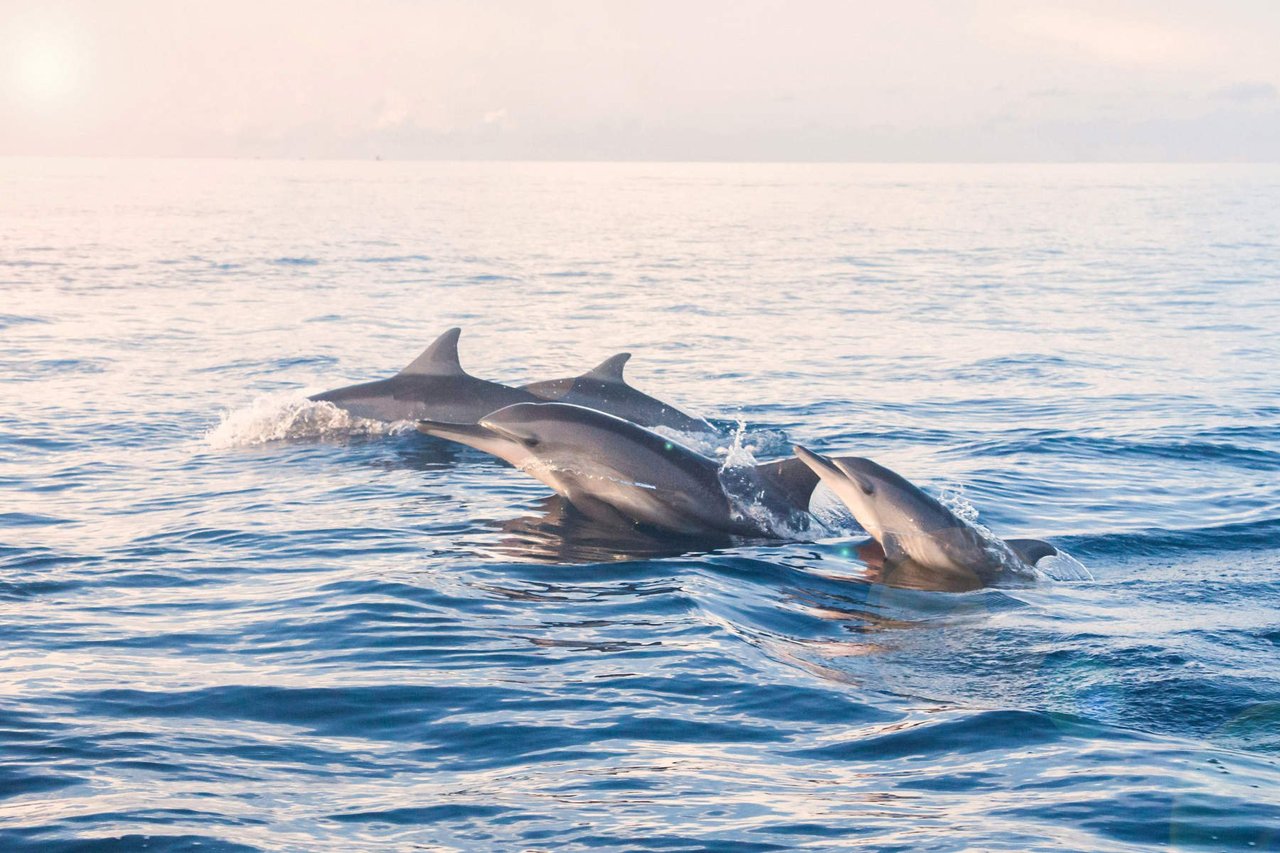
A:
(791, 477)
(1030, 551)
(439, 359)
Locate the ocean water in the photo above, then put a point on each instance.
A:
(231, 620)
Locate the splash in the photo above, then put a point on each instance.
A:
(741, 485)
(1063, 567)
(758, 441)
(290, 417)
(952, 497)
(707, 445)
(1057, 567)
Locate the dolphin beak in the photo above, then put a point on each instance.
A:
(821, 465)
(462, 433)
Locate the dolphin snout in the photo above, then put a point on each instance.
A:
(821, 465)
(452, 431)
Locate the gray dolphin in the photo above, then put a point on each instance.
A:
(434, 385)
(911, 526)
(615, 471)
(603, 388)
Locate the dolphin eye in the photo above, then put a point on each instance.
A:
(867, 488)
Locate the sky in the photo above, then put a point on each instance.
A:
(738, 80)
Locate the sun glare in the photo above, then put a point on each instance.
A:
(46, 72)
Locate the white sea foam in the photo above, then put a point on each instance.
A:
(281, 417)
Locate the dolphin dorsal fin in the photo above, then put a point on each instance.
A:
(609, 370)
(439, 359)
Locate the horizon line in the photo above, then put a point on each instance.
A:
(670, 161)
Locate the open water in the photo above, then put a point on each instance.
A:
(232, 621)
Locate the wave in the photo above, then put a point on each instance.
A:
(1195, 451)
(7, 320)
(1237, 536)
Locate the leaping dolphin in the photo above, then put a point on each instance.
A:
(603, 388)
(615, 471)
(433, 385)
(911, 526)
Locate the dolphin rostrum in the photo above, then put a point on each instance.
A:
(615, 471)
(434, 385)
(911, 526)
(603, 388)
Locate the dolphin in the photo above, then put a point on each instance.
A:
(912, 527)
(615, 471)
(433, 385)
(603, 388)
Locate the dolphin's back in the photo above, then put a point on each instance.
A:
(605, 389)
(432, 386)
(459, 399)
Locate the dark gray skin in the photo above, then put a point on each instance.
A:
(913, 527)
(604, 389)
(434, 386)
(612, 470)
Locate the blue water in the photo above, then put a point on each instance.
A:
(235, 621)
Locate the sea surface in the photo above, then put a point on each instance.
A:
(233, 620)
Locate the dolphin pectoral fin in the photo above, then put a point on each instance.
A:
(893, 550)
(439, 359)
(1031, 551)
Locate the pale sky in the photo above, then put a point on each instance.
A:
(903, 80)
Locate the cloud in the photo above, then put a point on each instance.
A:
(394, 111)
